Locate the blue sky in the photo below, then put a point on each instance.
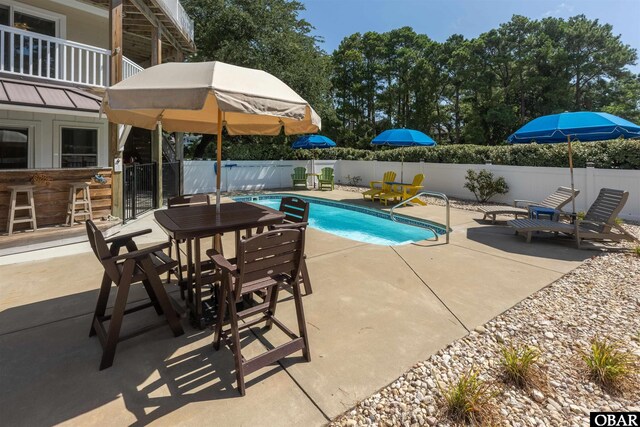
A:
(335, 19)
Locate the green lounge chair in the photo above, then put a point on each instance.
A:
(299, 177)
(326, 178)
(379, 187)
(599, 223)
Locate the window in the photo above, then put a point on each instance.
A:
(32, 19)
(28, 22)
(79, 147)
(14, 148)
(26, 56)
(4, 15)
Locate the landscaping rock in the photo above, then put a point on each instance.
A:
(598, 298)
(537, 396)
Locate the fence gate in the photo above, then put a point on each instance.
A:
(139, 189)
(170, 180)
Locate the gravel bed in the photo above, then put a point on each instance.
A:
(601, 297)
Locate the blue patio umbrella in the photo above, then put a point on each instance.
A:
(576, 126)
(403, 138)
(313, 141)
(579, 126)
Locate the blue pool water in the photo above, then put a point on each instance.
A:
(362, 225)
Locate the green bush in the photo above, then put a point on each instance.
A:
(519, 365)
(468, 400)
(609, 365)
(484, 186)
(618, 154)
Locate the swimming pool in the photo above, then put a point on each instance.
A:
(355, 222)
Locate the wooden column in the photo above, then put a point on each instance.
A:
(156, 135)
(115, 75)
(180, 158)
(179, 56)
(179, 137)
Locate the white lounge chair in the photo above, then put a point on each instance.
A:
(556, 200)
(599, 222)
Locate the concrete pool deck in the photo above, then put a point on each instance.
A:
(375, 311)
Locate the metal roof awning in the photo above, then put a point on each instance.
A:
(35, 94)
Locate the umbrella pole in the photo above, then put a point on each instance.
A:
(219, 161)
(573, 199)
(402, 164)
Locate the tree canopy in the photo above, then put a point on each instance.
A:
(480, 90)
(475, 91)
(268, 35)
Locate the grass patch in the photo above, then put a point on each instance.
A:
(519, 366)
(468, 400)
(636, 251)
(609, 365)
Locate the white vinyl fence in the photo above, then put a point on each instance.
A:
(200, 176)
(530, 183)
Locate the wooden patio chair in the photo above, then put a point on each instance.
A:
(185, 200)
(267, 262)
(556, 200)
(599, 222)
(299, 177)
(379, 187)
(296, 213)
(137, 265)
(325, 179)
(404, 192)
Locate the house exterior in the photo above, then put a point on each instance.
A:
(56, 59)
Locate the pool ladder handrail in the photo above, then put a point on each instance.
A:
(426, 193)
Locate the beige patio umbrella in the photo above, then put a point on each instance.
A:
(204, 97)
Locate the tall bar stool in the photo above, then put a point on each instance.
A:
(13, 207)
(75, 203)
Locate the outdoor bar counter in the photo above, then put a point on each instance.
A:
(51, 192)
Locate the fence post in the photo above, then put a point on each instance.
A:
(134, 191)
(157, 192)
(280, 169)
(375, 170)
(589, 185)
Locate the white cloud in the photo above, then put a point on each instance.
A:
(561, 9)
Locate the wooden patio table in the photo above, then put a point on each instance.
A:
(401, 185)
(192, 223)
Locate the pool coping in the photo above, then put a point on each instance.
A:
(403, 219)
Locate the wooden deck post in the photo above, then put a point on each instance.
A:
(179, 139)
(115, 75)
(156, 135)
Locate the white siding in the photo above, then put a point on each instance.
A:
(46, 147)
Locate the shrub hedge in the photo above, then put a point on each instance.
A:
(619, 154)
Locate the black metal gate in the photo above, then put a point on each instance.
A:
(170, 180)
(139, 189)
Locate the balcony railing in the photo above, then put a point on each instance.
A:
(176, 12)
(31, 54)
(129, 68)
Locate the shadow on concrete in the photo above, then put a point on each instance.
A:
(544, 245)
(50, 371)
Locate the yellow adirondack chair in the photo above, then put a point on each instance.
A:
(404, 192)
(379, 187)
